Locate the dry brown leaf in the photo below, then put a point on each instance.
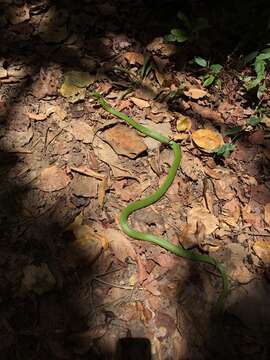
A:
(266, 121)
(207, 140)
(235, 265)
(252, 217)
(134, 57)
(125, 141)
(142, 104)
(200, 214)
(261, 194)
(47, 84)
(192, 167)
(163, 128)
(88, 243)
(84, 186)
(18, 14)
(231, 212)
(195, 93)
(105, 153)
(38, 279)
(120, 245)
(267, 213)
(52, 178)
(262, 250)
(224, 187)
(81, 131)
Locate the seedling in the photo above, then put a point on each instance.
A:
(261, 63)
(188, 29)
(213, 71)
(225, 150)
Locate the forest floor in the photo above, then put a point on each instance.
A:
(72, 285)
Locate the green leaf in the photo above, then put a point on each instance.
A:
(169, 38)
(208, 80)
(253, 120)
(147, 66)
(260, 69)
(200, 61)
(251, 84)
(261, 90)
(250, 57)
(225, 150)
(263, 56)
(180, 35)
(216, 68)
(181, 16)
(233, 131)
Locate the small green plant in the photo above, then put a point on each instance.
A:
(212, 74)
(225, 150)
(261, 63)
(188, 29)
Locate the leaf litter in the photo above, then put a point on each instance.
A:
(73, 158)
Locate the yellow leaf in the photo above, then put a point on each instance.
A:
(207, 140)
(183, 124)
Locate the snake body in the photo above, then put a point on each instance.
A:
(151, 199)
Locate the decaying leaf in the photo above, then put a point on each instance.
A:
(52, 178)
(120, 244)
(142, 104)
(231, 212)
(53, 27)
(89, 241)
(134, 57)
(75, 84)
(202, 215)
(183, 124)
(81, 131)
(84, 186)
(125, 141)
(262, 250)
(106, 154)
(38, 279)
(207, 140)
(267, 213)
(235, 254)
(195, 93)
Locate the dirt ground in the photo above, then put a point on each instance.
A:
(72, 285)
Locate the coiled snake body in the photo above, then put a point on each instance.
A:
(149, 200)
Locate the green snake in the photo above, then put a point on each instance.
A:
(151, 199)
